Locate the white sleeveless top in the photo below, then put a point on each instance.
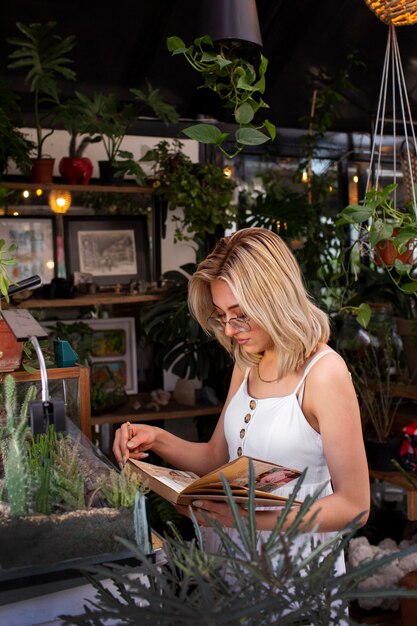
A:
(276, 430)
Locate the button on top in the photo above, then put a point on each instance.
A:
(252, 405)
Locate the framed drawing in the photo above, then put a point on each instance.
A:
(35, 240)
(114, 249)
(113, 350)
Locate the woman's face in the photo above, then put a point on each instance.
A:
(255, 340)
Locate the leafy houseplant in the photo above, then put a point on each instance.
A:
(182, 345)
(13, 144)
(201, 190)
(378, 222)
(238, 83)
(43, 53)
(108, 118)
(75, 168)
(248, 580)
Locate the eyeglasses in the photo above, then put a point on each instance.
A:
(241, 324)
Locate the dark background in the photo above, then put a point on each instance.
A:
(122, 44)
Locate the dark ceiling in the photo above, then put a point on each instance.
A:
(121, 44)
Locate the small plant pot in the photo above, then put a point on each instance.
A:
(42, 170)
(108, 173)
(10, 349)
(386, 253)
(381, 453)
(76, 171)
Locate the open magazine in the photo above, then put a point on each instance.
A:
(180, 487)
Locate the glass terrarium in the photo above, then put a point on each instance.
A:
(63, 505)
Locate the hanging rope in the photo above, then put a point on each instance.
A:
(393, 74)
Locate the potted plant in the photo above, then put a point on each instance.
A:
(202, 191)
(373, 359)
(10, 349)
(245, 580)
(385, 233)
(13, 143)
(181, 346)
(75, 168)
(239, 83)
(43, 54)
(107, 117)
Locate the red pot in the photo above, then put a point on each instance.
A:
(76, 171)
(10, 349)
(386, 253)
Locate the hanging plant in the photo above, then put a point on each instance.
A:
(237, 82)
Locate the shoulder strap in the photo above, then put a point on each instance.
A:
(308, 368)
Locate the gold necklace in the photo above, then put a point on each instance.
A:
(275, 380)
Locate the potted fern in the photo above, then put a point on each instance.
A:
(44, 55)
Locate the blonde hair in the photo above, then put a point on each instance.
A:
(266, 281)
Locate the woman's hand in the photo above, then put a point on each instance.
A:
(219, 511)
(132, 441)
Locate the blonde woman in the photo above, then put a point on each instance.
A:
(291, 400)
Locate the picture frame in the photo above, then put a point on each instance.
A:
(114, 348)
(36, 245)
(113, 249)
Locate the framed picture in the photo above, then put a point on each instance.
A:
(35, 240)
(114, 349)
(114, 249)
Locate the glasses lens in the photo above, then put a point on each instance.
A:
(215, 323)
(239, 324)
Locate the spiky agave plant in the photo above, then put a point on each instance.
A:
(248, 581)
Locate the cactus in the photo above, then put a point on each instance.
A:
(120, 490)
(141, 523)
(10, 399)
(15, 476)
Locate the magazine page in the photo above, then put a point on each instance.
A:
(268, 476)
(173, 478)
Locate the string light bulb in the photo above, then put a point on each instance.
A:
(59, 200)
(304, 177)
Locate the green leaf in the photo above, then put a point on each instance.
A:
(175, 43)
(250, 137)
(205, 133)
(271, 129)
(244, 114)
(410, 288)
(363, 314)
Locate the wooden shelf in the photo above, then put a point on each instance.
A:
(172, 410)
(85, 300)
(122, 188)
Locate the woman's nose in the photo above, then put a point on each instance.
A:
(229, 330)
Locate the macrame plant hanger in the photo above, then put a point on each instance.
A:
(394, 13)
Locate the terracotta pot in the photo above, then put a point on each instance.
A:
(42, 170)
(10, 349)
(386, 253)
(76, 171)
